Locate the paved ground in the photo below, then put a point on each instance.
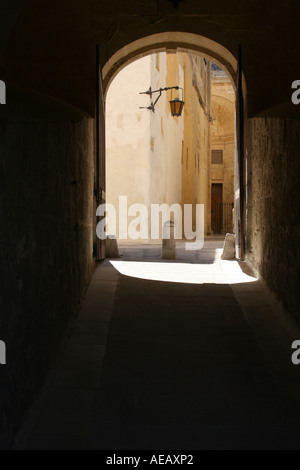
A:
(186, 354)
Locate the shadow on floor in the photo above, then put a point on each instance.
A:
(172, 365)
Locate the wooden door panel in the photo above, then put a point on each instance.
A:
(216, 207)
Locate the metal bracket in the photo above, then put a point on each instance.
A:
(150, 92)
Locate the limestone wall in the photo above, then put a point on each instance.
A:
(128, 137)
(273, 231)
(143, 148)
(155, 158)
(223, 138)
(196, 146)
(46, 218)
(166, 132)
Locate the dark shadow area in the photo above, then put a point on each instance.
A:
(184, 370)
(171, 365)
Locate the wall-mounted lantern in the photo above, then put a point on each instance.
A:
(176, 104)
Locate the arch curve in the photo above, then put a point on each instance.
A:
(169, 41)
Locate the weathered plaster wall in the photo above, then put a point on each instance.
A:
(196, 146)
(143, 148)
(46, 217)
(273, 211)
(154, 157)
(166, 133)
(128, 137)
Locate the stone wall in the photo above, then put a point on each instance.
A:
(223, 138)
(128, 138)
(46, 218)
(52, 46)
(273, 232)
(196, 145)
(166, 132)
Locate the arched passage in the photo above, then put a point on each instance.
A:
(178, 42)
(46, 221)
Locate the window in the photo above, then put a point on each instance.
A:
(217, 157)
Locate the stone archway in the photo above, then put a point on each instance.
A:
(179, 41)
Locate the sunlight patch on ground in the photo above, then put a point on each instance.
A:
(234, 273)
(220, 272)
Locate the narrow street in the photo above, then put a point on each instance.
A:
(171, 363)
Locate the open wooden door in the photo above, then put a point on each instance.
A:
(239, 168)
(100, 149)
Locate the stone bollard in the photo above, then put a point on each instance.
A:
(169, 245)
(111, 247)
(229, 247)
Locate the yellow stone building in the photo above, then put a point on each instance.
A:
(171, 159)
(222, 162)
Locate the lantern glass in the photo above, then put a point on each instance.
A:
(176, 107)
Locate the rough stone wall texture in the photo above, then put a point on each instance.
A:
(273, 232)
(46, 215)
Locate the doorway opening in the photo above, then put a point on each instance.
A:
(216, 207)
(154, 158)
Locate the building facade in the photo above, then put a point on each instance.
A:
(222, 162)
(172, 160)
